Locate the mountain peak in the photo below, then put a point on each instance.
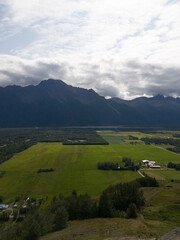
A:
(51, 82)
(158, 97)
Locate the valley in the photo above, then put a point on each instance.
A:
(74, 168)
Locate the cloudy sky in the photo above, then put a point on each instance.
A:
(123, 48)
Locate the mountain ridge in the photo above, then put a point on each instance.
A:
(53, 103)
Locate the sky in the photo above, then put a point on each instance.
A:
(119, 48)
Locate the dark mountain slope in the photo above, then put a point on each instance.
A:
(155, 111)
(53, 103)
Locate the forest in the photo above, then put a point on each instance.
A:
(120, 200)
(17, 140)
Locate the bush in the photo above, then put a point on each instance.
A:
(147, 182)
(60, 219)
(1, 199)
(131, 211)
(119, 197)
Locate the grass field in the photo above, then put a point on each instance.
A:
(101, 229)
(121, 138)
(75, 168)
(113, 138)
(165, 175)
(163, 203)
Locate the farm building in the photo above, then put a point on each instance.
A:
(150, 164)
(145, 162)
(155, 166)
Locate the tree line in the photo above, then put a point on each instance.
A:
(45, 170)
(120, 200)
(128, 165)
(174, 165)
(17, 140)
(167, 141)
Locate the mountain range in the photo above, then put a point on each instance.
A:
(53, 103)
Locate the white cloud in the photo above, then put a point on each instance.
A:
(95, 44)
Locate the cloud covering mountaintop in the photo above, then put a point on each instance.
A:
(119, 48)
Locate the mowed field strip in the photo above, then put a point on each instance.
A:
(75, 168)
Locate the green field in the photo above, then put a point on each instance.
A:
(121, 138)
(113, 138)
(111, 229)
(165, 175)
(75, 168)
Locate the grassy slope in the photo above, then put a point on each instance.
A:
(75, 168)
(166, 175)
(161, 215)
(163, 203)
(101, 229)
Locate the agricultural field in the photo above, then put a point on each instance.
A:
(165, 175)
(75, 167)
(121, 137)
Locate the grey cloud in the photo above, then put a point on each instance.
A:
(153, 79)
(32, 75)
(125, 81)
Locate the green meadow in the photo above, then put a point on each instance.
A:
(75, 168)
(165, 175)
(117, 137)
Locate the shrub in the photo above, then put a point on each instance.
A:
(131, 211)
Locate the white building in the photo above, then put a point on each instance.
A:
(3, 206)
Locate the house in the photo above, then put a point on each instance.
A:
(3, 206)
(151, 163)
(145, 162)
(155, 166)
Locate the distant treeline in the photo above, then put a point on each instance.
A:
(86, 143)
(174, 165)
(90, 139)
(174, 149)
(177, 135)
(133, 138)
(166, 141)
(128, 165)
(7, 151)
(16, 140)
